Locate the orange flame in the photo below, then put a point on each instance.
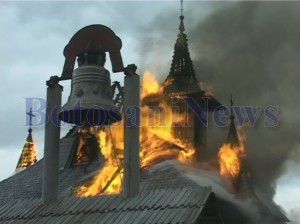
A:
(157, 138)
(150, 85)
(230, 158)
(109, 178)
(157, 143)
(28, 156)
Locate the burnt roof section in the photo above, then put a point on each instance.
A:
(27, 184)
(20, 195)
(182, 77)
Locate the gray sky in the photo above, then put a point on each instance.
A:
(248, 49)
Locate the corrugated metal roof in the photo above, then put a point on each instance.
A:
(27, 184)
(182, 205)
(164, 175)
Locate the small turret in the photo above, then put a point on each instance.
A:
(28, 154)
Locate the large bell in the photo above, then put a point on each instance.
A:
(90, 102)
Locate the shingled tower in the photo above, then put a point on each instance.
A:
(183, 83)
(28, 154)
(242, 183)
(182, 77)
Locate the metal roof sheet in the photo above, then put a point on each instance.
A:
(158, 206)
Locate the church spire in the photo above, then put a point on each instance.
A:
(28, 155)
(232, 138)
(182, 77)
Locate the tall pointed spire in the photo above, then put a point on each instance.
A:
(232, 138)
(182, 77)
(243, 181)
(28, 155)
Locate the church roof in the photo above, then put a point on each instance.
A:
(157, 206)
(166, 194)
(27, 184)
(178, 198)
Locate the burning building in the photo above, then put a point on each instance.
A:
(174, 186)
(28, 154)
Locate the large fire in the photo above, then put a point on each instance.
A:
(230, 158)
(109, 179)
(28, 156)
(157, 143)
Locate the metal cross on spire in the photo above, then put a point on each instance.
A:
(181, 8)
(181, 26)
(31, 115)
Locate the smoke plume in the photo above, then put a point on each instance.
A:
(250, 50)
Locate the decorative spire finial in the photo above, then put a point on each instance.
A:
(181, 8)
(31, 115)
(181, 26)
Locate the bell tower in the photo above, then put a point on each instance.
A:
(90, 104)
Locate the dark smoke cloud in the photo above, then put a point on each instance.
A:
(250, 50)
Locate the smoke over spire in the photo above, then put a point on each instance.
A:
(249, 49)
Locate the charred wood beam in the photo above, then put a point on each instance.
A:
(111, 180)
